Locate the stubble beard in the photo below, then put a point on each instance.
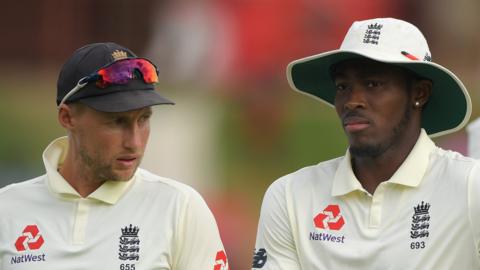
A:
(98, 169)
(374, 151)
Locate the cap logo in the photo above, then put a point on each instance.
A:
(372, 35)
(427, 58)
(117, 55)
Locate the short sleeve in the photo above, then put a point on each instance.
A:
(275, 246)
(198, 244)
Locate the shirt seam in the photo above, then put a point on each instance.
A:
(291, 220)
(181, 216)
(469, 202)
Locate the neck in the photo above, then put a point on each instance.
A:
(77, 174)
(371, 171)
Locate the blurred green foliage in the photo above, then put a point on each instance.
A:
(307, 133)
(28, 124)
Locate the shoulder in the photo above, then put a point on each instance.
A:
(452, 160)
(450, 155)
(323, 169)
(322, 173)
(22, 195)
(15, 189)
(451, 167)
(152, 183)
(305, 179)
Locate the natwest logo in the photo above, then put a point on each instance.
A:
(30, 239)
(221, 261)
(330, 218)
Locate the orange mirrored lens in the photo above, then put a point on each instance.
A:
(122, 71)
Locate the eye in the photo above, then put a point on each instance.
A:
(145, 117)
(340, 87)
(373, 84)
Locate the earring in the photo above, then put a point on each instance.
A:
(417, 104)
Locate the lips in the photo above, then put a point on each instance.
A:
(355, 123)
(127, 161)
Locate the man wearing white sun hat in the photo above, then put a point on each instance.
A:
(395, 200)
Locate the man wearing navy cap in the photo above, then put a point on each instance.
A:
(94, 208)
(394, 200)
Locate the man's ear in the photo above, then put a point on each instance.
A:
(421, 92)
(66, 117)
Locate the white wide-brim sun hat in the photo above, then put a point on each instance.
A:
(394, 42)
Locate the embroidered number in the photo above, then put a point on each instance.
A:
(417, 245)
(127, 266)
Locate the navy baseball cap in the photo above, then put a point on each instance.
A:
(87, 60)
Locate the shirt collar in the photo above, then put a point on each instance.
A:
(54, 155)
(410, 173)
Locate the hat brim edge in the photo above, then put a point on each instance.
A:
(126, 101)
(406, 63)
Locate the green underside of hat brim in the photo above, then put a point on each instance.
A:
(447, 110)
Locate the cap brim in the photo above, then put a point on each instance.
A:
(123, 101)
(447, 110)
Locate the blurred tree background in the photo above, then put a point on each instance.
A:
(236, 125)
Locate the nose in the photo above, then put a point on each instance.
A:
(355, 98)
(133, 137)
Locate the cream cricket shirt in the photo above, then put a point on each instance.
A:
(148, 222)
(427, 216)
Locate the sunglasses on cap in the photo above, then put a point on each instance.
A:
(118, 72)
